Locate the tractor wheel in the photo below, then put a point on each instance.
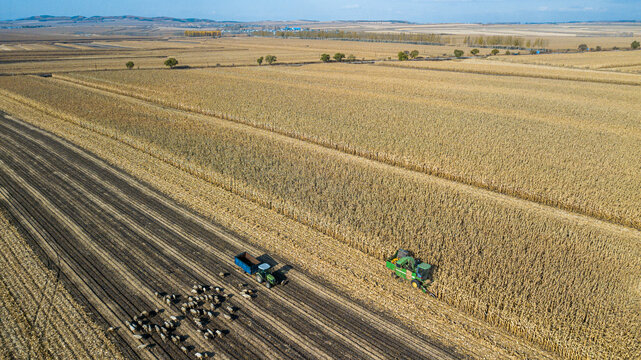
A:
(259, 278)
(415, 284)
(268, 284)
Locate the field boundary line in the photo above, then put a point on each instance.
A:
(378, 157)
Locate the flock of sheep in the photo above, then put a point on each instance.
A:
(200, 306)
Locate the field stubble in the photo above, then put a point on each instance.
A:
(62, 329)
(552, 277)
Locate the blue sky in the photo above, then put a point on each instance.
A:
(411, 10)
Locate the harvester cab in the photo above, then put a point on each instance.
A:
(404, 266)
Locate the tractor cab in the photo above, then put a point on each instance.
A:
(264, 274)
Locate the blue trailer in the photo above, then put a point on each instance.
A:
(251, 266)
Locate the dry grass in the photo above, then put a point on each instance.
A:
(62, 329)
(541, 273)
(531, 138)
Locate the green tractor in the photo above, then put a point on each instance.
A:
(404, 266)
(251, 265)
(264, 274)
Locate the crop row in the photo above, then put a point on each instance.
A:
(566, 144)
(542, 274)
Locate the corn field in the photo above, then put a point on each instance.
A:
(567, 282)
(531, 138)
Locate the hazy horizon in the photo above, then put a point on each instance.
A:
(419, 11)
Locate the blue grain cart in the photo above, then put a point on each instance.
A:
(252, 266)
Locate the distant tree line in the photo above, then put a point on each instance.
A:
(501, 40)
(356, 35)
(196, 33)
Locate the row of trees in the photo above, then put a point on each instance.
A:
(405, 55)
(269, 59)
(584, 47)
(170, 63)
(501, 40)
(356, 35)
(338, 57)
(197, 33)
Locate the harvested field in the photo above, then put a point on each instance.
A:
(99, 218)
(40, 319)
(414, 120)
(504, 259)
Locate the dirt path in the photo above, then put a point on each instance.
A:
(119, 240)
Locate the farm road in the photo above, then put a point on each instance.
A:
(118, 240)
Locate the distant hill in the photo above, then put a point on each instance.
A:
(79, 19)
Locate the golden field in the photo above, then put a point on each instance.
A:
(548, 275)
(531, 138)
(587, 60)
(505, 68)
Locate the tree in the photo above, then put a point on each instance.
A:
(495, 51)
(129, 65)
(474, 52)
(414, 54)
(635, 45)
(260, 60)
(402, 56)
(583, 47)
(598, 48)
(171, 62)
(532, 51)
(339, 57)
(458, 53)
(351, 58)
(507, 52)
(270, 59)
(325, 58)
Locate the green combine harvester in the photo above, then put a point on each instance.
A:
(404, 266)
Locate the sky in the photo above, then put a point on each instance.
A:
(422, 11)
